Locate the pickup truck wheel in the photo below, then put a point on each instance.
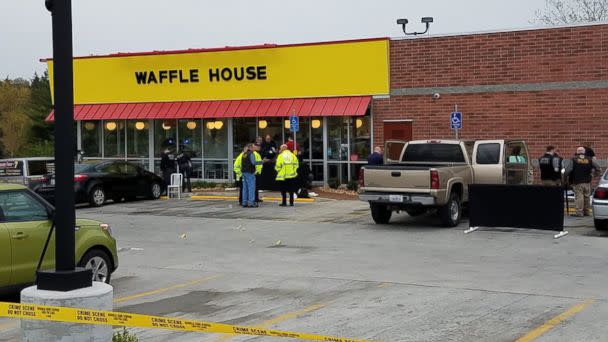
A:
(601, 225)
(380, 213)
(450, 213)
(415, 211)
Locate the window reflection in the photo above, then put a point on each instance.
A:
(215, 139)
(114, 139)
(91, 138)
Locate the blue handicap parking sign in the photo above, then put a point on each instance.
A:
(456, 120)
(294, 123)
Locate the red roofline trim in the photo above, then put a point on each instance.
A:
(226, 48)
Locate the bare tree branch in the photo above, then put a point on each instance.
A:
(558, 12)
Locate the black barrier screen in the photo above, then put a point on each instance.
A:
(518, 206)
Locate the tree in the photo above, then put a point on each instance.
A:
(15, 132)
(559, 12)
(38, 108)
(14, 123)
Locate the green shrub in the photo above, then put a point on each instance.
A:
(333, 183)
(229, 185)
(124, 336)
(203, 185)
(353, 185)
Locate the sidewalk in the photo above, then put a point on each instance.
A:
(233, 195)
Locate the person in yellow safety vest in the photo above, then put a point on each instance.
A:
(287, 172)
(237, 167)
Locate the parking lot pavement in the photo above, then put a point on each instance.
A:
(325, 268)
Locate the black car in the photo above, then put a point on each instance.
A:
(97, 181)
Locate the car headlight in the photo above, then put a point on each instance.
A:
(106, 228)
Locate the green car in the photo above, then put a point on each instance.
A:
(25, 220)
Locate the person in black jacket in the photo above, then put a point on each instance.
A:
(550, 167)
(580, 173)
(376, 158)
(303, 179)
(167, 167)
(268, 149)
(184, 161)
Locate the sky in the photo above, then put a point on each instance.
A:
(110, 26)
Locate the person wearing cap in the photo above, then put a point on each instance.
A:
(287, 172)
(579, 172)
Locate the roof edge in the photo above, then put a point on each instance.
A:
(225, 48)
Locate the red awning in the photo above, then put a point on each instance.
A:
(327, 106)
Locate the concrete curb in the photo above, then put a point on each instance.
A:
(236, 198)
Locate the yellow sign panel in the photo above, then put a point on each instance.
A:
(309, 70)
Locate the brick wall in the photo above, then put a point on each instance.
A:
(549, 55)
(565, 118)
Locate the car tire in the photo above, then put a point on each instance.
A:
(380, 213)
(413, 212)
(450, 213)
(155, 190)
(97, 196)
(601, 225)
(100, 263)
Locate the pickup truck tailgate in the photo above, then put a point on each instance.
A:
(397, 178)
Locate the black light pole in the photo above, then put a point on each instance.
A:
(66, 276)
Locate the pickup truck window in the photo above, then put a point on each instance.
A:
(488, 154)
(434, 153)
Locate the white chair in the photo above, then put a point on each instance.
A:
(177, 179)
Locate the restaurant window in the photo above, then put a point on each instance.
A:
(215, 139)
(164, 136)
(244, 133)
(190, 137)
(216, 169)
(339, 172)
(272, 127)
(360, 138)
(316, 136)
(303, 137)
(137, 139)
(114, 139)
(337, 142)
(91, 138)
(355, 169)
(317, 171)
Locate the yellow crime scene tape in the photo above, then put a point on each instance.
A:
(86, 316)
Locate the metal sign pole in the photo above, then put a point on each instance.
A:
(295, 144)
(456, 130)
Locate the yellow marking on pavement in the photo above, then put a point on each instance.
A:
(236, 198)
(279, 319)
(385, 285)
(165, 289)
(550, 324)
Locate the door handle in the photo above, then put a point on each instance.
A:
(20, 236)
(396, 174)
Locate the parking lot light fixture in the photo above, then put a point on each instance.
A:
(425, 20)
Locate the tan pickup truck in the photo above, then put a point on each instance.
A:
(435, 174)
